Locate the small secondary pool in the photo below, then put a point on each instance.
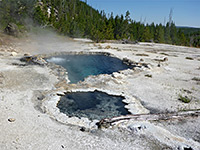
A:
(92, 105)
(82, 66)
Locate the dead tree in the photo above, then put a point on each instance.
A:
(105, 123)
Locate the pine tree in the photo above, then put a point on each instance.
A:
(39, 16)
(159, 34)
(152, 31)
(52, 18)
(117, 28)
(173, 33)
(108, 31)
(181, 38)
(167, 34)
(140, 30)
(75, 18)
(146, 37)
(133, 30)
(126, 23)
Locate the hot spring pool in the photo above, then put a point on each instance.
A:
(92, 105)
(82, 66)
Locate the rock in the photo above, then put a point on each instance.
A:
(27, 54)
(161, 60)
(104, 123)
(108, 47)
(136, 128)
(59, 93)
(12, 29)
(11, 119)
(34, 60)
(117, 75)
(128, 61)
(141, 59)
(93, 124)
(84, 129)
(13, 54)
(165, 59)
(185, 148)
(189, 58)
(149, 66)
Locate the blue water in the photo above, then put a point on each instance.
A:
(92, 105)
(82, 66)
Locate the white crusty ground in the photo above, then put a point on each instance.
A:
(33, 129)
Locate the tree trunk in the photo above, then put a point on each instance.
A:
(105, 123)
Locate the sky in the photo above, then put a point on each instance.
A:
(185, 12)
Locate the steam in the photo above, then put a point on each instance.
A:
(38, 40)
(56, 60)
(45, 41)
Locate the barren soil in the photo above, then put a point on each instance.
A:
(26, 89)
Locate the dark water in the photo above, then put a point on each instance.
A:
(92, 105)
(82, 66)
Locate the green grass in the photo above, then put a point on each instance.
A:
(148, 75)
(184, 99)
(142, 55)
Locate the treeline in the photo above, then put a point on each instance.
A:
(194, 38)
(15, 11)
(77, 19)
